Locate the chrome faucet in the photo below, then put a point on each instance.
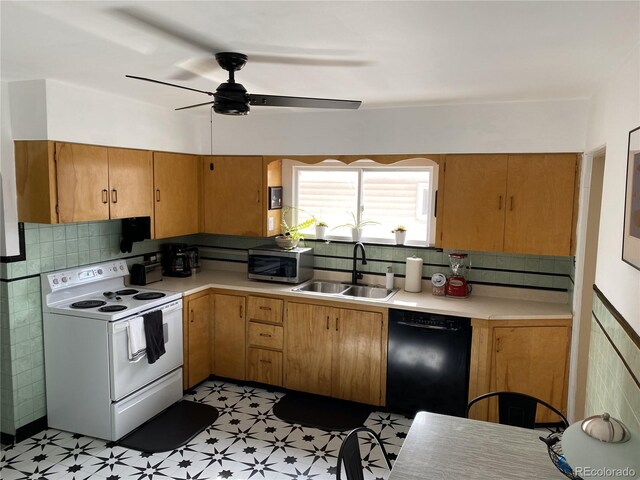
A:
(355, 276)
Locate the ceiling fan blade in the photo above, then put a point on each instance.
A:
(302, 102)
(194, 106)
(169, 84)
(168, 28)
(308, 61)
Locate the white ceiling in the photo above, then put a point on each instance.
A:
(413, 53)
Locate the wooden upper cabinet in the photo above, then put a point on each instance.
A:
(130, 183)
(540, 200)
(510, 203)
(176, 179)
(83, 182)
(474, 202)
(235, 191)
(36, 185)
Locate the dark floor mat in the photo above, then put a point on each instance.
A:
(321, 412)
(172, 428)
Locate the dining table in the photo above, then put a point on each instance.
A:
(444, 447)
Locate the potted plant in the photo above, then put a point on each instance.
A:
(292, 234)
(321, 230)
(356, 227)
(401, 234)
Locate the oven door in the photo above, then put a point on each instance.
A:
(127, 377)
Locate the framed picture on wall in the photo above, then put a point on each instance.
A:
(631, 237)
(275, 198)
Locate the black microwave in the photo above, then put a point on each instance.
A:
(274, 264)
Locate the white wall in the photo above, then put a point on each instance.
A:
(554, 126)
(615, 110)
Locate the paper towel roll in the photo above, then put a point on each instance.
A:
(413, 275)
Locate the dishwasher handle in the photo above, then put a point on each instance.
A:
(429, 327)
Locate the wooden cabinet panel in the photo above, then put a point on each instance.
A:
(264, 309)
(263, 335)
(540, 198)
(229, 336)
(83, 182)
(264, 366)
(533, 360)
(233, 195)
(130, 183)
(198, 312)
(176, 183)
(357, 356)
(309, 348)
(36, 181)
(473, 203)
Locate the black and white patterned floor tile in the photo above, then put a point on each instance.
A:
(246, 442)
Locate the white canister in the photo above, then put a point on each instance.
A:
(413, 275)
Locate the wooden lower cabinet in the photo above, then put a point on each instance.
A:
(197, 320)
(336, 352)
(525, 356)
(229, 336)
(264, 366)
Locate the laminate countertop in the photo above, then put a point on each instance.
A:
(487, 304)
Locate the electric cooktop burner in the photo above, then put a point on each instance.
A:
(112, 308)
(148, 295)
(88, 304)
(127, 291)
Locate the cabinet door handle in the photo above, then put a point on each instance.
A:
(265, 361)
(240, 311)
(337, 323)
(511, 202)
(157, 195)
(265, 308)
(258, 196)
(114, 196)
(191, 316)
(265, 335)
(327, 322)
(498, 345)
(105, 195)
(500, 202)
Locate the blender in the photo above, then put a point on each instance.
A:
(457, 285)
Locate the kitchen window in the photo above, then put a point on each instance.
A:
(389, 195)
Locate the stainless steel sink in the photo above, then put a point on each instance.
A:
(323, 287)
(335, 289)
(363, 291)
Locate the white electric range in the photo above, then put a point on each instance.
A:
(92, 387)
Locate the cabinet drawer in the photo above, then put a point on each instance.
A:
(264, 366)
(263, 335)
(265, 309)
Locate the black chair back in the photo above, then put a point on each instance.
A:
(350, 456)
(517, 409)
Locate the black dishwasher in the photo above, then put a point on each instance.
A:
(428, 363)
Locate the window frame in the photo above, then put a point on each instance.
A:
(432, 168)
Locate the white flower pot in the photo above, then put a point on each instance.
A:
(401, 236)
(321, 231)
(356, 234)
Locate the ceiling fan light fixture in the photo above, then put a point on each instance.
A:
(231, 99)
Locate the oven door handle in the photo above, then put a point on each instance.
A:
(165, 329)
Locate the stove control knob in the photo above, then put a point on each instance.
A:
(99, 271)
(55, 281)
(64, 279)
(121, 267)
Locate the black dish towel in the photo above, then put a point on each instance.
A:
(154, 335)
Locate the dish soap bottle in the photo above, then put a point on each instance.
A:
(389, 279)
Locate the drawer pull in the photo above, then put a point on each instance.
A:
(265, 335)
(265, 361)
(265, 308)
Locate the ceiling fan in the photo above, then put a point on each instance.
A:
(231, 98)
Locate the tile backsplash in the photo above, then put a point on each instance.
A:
(56, 247)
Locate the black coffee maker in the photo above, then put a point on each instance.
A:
(175, 260)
